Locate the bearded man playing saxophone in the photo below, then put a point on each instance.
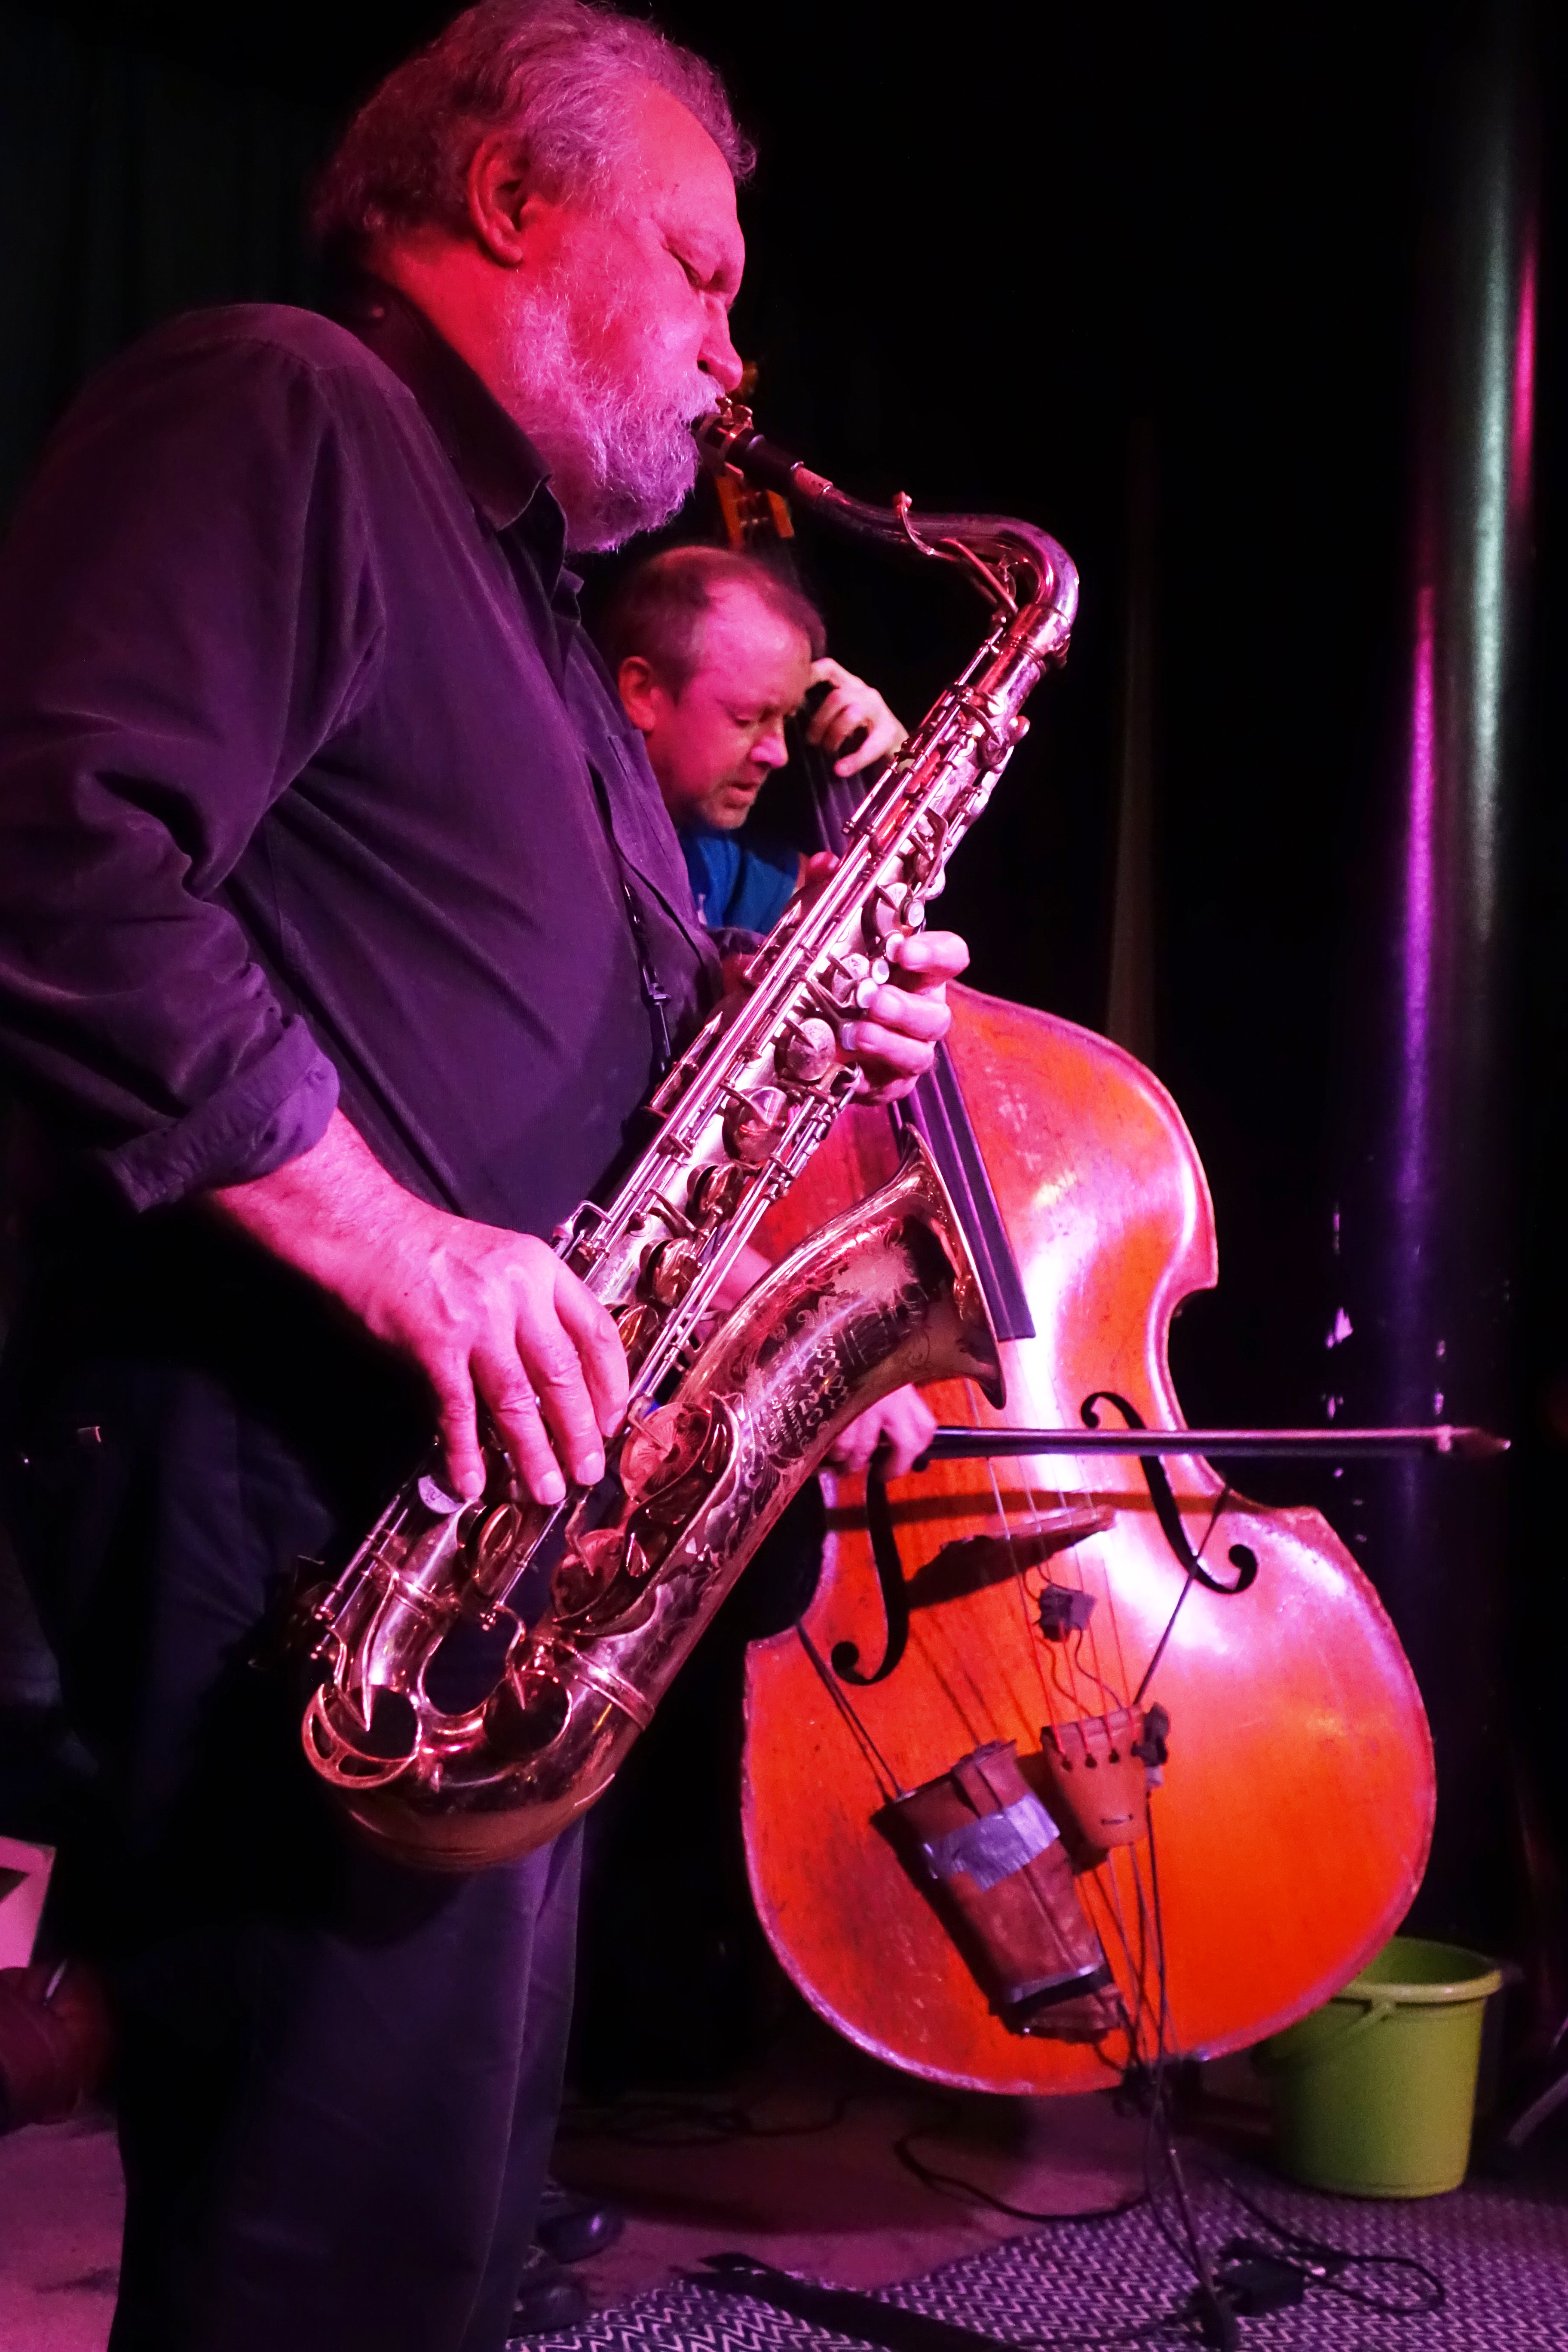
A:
(317, 974)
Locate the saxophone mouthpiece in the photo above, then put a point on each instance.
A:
(730, 444)
(718, 433)
(714, 432)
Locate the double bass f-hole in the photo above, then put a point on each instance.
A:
(893, 1587)
(845, 1657)
(1241, 1557)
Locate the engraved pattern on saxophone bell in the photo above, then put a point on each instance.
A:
(722, 1429)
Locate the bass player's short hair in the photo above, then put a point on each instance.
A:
(659, 608)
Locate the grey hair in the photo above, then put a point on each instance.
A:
(553, 74)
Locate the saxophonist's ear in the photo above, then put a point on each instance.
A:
(503, 210)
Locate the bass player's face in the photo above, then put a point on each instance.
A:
(714, 745)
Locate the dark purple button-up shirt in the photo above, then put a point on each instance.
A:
(312, 785)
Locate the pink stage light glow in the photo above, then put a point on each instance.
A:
(1523, 436)
(1420, 922)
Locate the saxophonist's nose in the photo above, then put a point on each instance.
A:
(720, 357)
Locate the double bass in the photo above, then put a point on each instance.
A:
(1227, 1666)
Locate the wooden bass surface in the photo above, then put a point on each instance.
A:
(1292, 1826)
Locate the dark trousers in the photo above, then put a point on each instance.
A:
(339, 2077)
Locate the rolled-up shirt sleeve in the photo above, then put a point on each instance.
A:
(188, 610)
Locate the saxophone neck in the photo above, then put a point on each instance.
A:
(1022, 571)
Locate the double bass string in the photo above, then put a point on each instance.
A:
(976, 1712)
(1031, 1635)
(1104, 1878)
(834, 799)
(1075, 1566)
(1020, 1581)
(1060, 1680)
(1106, 1691)
(1125, 1684)
(1104, 1883)
(976, 1709)
(882, 1771)
(1187, 1582)
(1115, 1619)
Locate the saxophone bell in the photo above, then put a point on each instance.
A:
(884, 1295)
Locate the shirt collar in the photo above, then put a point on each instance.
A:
(497, 463)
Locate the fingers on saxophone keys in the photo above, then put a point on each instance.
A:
(552, 1364)
(515, 1410)
(455, 1421)
(923, 1017)
(881, 1054)
(592, 1329)
(929, 958)
(888, 1063)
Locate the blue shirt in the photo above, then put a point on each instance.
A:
(739, 882)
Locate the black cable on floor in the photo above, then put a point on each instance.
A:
(954, 2184)
(1213, 2309)
(1294, 2265)
(1323, 2262)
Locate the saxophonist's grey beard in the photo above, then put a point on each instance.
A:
(620, 454)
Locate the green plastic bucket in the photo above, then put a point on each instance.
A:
(1374, 2094)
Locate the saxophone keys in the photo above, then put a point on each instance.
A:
(489, 1542)
(587, 1571)
(861, 976)
(753, 1123)
(661, 1449)
(716, 1193)
(670, 1270)
(807, 1053)
(892, 914)
(638, 1325)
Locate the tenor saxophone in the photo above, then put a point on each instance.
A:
(603, 1595)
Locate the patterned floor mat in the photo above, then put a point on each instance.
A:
(1501, 2257)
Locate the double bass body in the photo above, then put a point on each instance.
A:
(1293, 1824)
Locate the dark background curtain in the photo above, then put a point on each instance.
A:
(132, 185)
(1151, 276)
